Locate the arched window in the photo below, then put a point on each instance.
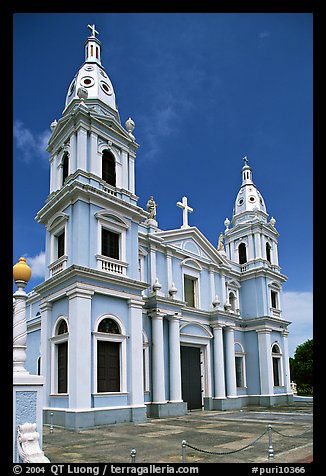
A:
(62, 327)
(108, 168)
(108, 356)
(61, 353)
(109, 326)
(277, 365)
(268, 252)
(65, 167)
(232, 301)
(239, 365)
(242, 250)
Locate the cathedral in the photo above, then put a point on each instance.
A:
(133, 321)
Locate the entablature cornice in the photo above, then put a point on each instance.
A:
(76, 190)
(76, 271)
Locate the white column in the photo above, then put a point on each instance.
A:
(251, 248)
(79, 348)
(82, 149)
(125, 173)
(94, 166)
(169, 268)
(136, 353)
(73, 153)
(158, 359)
(286, 362)
(231, 388)
(223, 290)
(212, 285)
(52, 174)
(258, 245)
(175, 359)
(152, 257)
(219, 379)
(131, 174)
(46, 311)
(19, 330)
(265, 361)
(274, 253)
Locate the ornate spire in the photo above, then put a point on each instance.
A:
(93, 47)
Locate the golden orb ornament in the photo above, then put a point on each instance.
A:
(21, 270)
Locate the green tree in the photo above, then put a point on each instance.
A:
(301, 367)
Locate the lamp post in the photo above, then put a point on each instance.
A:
(22, 274)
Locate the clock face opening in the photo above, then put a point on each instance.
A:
(252, 199)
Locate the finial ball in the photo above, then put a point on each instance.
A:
(21, 271)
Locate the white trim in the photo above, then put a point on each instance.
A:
(116, 224)
(280, 370)
(203, 342)
(242, 355)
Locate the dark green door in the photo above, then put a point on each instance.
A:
(191, 378)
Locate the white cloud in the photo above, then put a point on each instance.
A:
(37, 264)
(298, 308)
(264, 34)
(31, 146)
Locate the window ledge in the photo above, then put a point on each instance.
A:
(108, 394)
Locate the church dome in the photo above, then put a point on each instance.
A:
(91, 81)
(249, 199)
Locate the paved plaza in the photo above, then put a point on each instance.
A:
(159, 440)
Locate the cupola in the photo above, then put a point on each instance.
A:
(92, 77)
(249, 202)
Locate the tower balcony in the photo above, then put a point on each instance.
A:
(259, 263)
(58, 265)
(111, 265)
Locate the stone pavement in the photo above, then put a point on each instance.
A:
(159, 440)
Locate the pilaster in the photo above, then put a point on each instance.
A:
(265, 361)
(231, 388)
(136, 353)
(79, 374)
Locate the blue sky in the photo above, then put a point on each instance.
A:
(204, 90)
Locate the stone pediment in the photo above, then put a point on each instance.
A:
(193, 244)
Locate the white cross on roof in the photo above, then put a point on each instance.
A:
(185, 210)
(92, 27)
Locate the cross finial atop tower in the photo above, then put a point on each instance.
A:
(94, 31)
(185, 209)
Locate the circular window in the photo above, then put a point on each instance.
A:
(72, 87)
(240, 202)
(87, 81)
(89, 68)
(106, 88)
(252, 199)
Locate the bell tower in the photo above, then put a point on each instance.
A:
(92, 179)
(252, 244)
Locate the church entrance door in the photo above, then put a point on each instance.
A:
(191, 377)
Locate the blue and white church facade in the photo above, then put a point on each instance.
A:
(133, 321)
